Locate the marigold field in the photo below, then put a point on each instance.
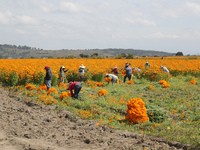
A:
(152, 103)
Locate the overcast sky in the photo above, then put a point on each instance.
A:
(161, 25)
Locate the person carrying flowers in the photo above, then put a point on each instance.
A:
(113, 77)
(82, 72)
(62, 74)
(76, 86)
(48, 77)
(128, 72)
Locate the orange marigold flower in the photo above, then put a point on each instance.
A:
(52, 90)
(65, 94)
(102, 92)
(136, 111)
(107, 79)
(42, 87)
(30, 86)
(164, 83)
(130, 82)
(193, 82)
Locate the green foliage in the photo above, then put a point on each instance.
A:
(152, 76)
(54, 80)
(9, 79)
(156, 114)
(38, 78)
(130, 56)
(24, 79)
(98, 77)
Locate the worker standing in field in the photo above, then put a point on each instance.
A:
(48, 77)
(115, 71)
(147, 65)
(128, 72)
(113, 77)
(164, 69)
(62, 74)
(82, 72)
(76, 86)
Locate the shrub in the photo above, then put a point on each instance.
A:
(12, 79)
(98, 77)
(54, 80)
(156, 114)
(38, 78)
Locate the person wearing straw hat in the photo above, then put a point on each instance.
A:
(113, 77)
(82, 72)
(48, 77)
(115, 71)
(76, 86)
(164, 69)
(62, 74)
(147, 65)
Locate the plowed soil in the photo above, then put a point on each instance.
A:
(30, 126)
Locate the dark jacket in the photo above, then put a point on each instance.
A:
(48, 74)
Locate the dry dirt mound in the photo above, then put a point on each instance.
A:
(30, 126)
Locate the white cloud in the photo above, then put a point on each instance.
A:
(193, 8)
(6, 17)
(72, 7)
(160, 35)
(141, 22)
(27, 20)
(20, 31)
(9, 18)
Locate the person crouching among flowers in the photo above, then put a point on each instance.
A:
(113, 77)
(76, 86)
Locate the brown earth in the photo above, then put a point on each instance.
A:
(30, 126)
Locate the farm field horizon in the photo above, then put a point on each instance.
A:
(172, 101)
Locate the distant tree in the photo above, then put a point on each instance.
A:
(119, 56)
(81, 55)
(95, 54)
(123, 54)
(49, 57)
(130, 56)
(179, 54)
(155, 55)
(70, 57)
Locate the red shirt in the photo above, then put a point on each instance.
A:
(71, 87)
(115, 70)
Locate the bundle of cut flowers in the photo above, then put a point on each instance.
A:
(99, 84)
(52, 90)
(107, 79)
(130, 82)
(42, 87)
(164, 83)
(136, 111)
(193, 82)
(65, 94)
(30, 86)
(102, 92)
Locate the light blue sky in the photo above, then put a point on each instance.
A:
(161, 25)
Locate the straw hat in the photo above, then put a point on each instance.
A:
(82, 66)
(63, 67)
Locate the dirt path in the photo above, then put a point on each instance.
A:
(29, 126)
